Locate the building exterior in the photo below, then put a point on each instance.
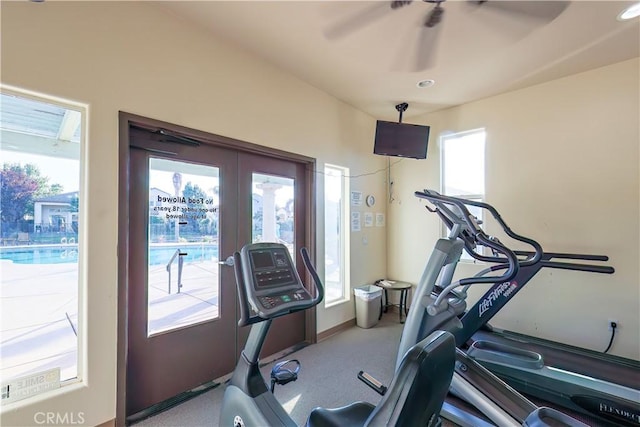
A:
(57, 213)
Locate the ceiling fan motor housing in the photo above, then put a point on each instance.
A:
(399, 3)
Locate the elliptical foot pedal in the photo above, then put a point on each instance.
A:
(372, 382)
(284, 372)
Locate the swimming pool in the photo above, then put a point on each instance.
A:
(55, 254)
(40, 254)
(194, 252)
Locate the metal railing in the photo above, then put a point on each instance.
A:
(180, 256)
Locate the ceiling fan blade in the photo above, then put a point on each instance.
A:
(435, 16)
(426, 47)
(540, 10)
(358, 20)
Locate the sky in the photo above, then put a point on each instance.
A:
(65, 172)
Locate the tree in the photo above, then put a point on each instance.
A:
(195, 201)
(20, 186)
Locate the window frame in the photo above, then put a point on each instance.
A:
(344, 234)
(480, 197)
(80, 380)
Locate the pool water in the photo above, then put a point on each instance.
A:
(40, 255)
(69, 254)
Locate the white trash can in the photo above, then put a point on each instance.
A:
(368, 305)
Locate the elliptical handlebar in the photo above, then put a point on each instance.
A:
(471, 232)
(445, 214)
(464, 226)
(538, 251)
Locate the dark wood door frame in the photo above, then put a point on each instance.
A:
(126, 120)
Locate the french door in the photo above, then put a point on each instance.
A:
(192, 204)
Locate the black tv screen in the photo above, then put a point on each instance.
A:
(401, 140)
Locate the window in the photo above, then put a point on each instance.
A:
(336, 234)
(462, 161)
(41, 242)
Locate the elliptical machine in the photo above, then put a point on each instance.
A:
(577, 379)
(438, 305)
(269, 287)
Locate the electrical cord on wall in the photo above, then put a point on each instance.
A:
(386, 169)
(614, 325)
(390, 181)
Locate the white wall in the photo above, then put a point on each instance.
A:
(135, 57)
(562, 167)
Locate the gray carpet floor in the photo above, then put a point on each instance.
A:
(328, 377)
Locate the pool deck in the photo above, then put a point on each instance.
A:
(39, 311)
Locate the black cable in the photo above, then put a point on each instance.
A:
(613, 334)
(385, 169)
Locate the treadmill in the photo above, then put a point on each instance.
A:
(600, 386)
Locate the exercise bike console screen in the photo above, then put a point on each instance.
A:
(271, 268)
(272, 284)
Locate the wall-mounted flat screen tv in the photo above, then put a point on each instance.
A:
(401, 140)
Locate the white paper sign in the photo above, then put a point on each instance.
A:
(368, 219)
(356, 198)
(355, 221)
(379, 219)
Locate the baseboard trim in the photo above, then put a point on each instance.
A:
(336, 329)
(171, 402)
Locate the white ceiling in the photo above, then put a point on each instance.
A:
(364, 52)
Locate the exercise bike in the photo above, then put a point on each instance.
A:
(269, 287)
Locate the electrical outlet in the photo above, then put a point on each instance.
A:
(610, 323)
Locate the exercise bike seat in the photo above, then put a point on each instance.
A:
(414, 397)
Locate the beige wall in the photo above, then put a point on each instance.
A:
(562, 167)
(566, 146)
(135, 57)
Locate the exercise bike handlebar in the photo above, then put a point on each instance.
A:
(245, 318)
(314, 275)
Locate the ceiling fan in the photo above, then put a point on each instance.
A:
(433, 18)
(539, 11)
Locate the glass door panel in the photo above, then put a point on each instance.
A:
(183, 283)
(181, 308)
(273, 208)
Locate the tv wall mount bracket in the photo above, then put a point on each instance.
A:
(402, 107)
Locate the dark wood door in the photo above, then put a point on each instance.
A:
(277, 199)
(191, 205)
(182, 303)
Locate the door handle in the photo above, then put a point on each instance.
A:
(228, 262)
